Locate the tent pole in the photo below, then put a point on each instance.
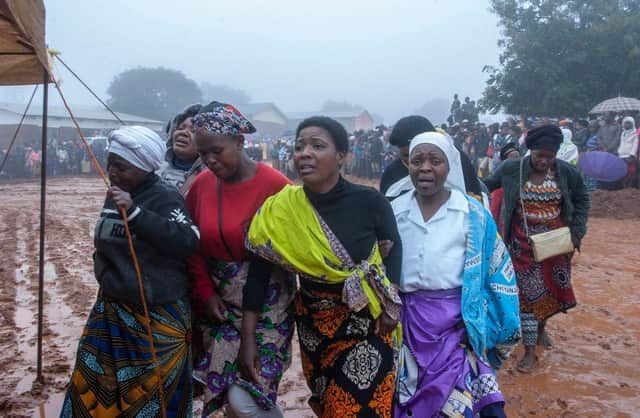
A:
(43, 196)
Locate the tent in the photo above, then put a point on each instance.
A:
(24, 60)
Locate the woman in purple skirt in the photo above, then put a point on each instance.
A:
(460, 313)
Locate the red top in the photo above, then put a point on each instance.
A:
(233, 212)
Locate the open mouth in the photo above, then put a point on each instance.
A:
(306, 169)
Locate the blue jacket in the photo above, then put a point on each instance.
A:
(490, 307)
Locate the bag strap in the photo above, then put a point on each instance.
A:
(524, 213)
(220, 230)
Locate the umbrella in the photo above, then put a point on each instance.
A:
(617, 104)
(602, 166)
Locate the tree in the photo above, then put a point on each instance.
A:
(156, 93)
(223, 93)
(560, 57)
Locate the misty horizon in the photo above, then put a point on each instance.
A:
(391, 59)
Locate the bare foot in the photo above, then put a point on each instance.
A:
(545, 341)
(528, 363)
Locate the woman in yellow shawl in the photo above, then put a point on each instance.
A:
(347, 308)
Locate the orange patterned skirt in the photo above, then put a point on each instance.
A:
(348, 368)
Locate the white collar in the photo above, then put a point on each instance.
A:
(407, 205)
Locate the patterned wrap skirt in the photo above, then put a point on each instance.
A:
(217, 369)
(348, 368)
(545, 287)
(114, 374)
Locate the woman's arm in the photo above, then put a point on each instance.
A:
(387, 230)
(166, 225)
(581, 204)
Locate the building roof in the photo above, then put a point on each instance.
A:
(250, 109)
(350, 114)
(78, 112)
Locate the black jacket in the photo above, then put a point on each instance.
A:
(164, 237)
(575, 198)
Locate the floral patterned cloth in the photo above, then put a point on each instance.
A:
(348, 368)
(217, 369)
(545, 287)
(223, 119)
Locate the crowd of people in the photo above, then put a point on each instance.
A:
(406, 300)
(64, 158)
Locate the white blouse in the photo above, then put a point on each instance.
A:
(433, 252)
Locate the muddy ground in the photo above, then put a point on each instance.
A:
(593, 370)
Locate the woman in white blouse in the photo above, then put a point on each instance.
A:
(460, 305)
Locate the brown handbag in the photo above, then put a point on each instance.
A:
(547, 244)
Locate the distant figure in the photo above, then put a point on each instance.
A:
(609, 135)
(455, 105)
(628, 150)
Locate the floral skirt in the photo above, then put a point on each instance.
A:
(349, 369)
(545, 287)
(217, 368)
(114, 374)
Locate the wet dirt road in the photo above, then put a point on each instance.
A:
(593, 370)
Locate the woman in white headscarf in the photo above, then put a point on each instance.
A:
(628, 150)
(568, 151)
(114, 371)
(460, 313)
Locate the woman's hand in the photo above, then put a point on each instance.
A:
(120, 198)
(248, 360)
(215, 309)
(385, 324)
(385, 247)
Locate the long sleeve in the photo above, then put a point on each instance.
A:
(581, 204)
(387, 229)
(255, 289)
(166, 226)
(494, 181)
(201, 285)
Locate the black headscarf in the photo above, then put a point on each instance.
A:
(507, 149)
(547, 137)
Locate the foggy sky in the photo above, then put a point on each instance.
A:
(390, 56)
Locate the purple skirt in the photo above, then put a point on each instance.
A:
(440, 374)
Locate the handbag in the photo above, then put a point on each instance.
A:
(546, 244)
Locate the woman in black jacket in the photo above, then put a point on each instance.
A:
(553, 195)
(114, 369)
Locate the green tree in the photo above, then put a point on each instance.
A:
(156, 93)
(561, 57)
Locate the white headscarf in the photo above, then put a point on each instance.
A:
(138, 145)
(455, 178)
(628, 139)
(568, 151)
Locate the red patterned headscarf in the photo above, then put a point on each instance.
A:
(223, 119)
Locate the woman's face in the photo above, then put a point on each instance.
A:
(315, 156)
(628, 125)
(123, 174)
(222, 154)
(428, 168)
(542, 160)
(183, 144)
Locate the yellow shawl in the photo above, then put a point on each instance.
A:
(288, 232)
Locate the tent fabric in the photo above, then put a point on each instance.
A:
(23, 53)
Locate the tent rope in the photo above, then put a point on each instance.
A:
(115, 115)
(15, 135)
(132, 250)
